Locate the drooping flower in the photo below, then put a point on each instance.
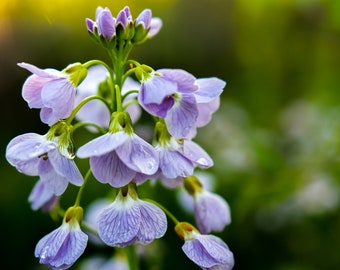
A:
(174, 94)
(91, 218)
(129, 220)
(207, 251)
(177, 158)
(42, 197)
(186, 200)
(46, 156)
(117, 156)
(95, 110)
(52, 91)
(63, 246)
(212, 212)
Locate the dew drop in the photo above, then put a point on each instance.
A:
(203, 162)
(44, 252)
(37, 145)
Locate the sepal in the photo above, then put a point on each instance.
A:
(77, 73)
(61, 133)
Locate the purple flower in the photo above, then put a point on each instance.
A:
(63, 246)
(129, 220)
(50, 90)
(91, 217)
(168, 93)
(185, 199)
(116, 158)
(123, 26)
(179, 159)
(174, 95)
(41, 197)
(212, 212)
(104, 24)
(172, 161)
(124, 17)
(146, 26)
(144, 19)
(35, 155)
(207, 251)
(155, 26)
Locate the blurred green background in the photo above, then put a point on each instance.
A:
(275, 139)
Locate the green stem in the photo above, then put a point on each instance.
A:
(97, 62)
(132, 257)
(129, 93)
(127, 104)
(82, 103)
(128, 73)
(86, 124)
(81, 189)
(119, 60)
(89, 228)
(133, 62)
(167, 212)
(118, 98)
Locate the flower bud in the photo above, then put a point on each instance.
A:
(142, 25)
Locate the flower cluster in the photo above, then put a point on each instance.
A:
(108, 101)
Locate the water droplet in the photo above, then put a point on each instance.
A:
(44, 252)
(203, 162)
(37, 145)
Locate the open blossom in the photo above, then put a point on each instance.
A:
(130, 220)
(177, 160)
(174, 94)
(35, 155)
(63, 246)
(116, 157)
(207, 98)
(208, 251)
(91, 218)
(52, 91)
(212, 212)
